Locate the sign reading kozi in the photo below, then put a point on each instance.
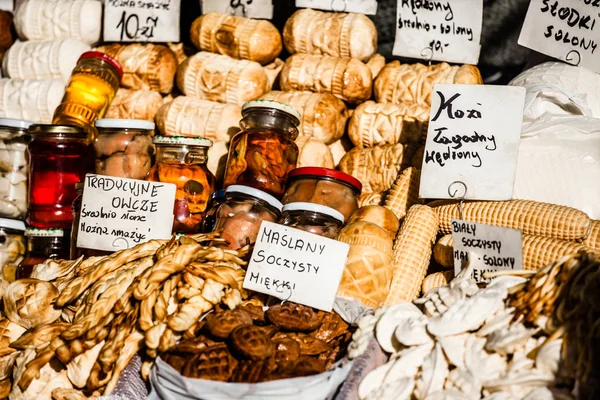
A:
(295, 265)
(564, 29)
(439, 30)
(119, 213)
(141, 20)
(472, 142)
(491, 248)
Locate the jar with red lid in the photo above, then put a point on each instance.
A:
(92, 87)
(59, 157)
(182, 161)
(264, 152)
(325, 186)
(43, 244)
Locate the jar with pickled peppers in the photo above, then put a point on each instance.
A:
(92, 87)
(182, 161)
(313, 218)
(14, 167)
(208, 223)
(59, 157)
(243, 211)
(12, 247)
(264, 152)
(124, 147)
(43, 244)
(325, 186)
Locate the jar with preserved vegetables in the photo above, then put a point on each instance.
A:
(76, 252)
(210, 218)
(313, 218)
(58, 159)
(182, 161)
(325, 186)
(243, 211)
(12, 247)
(43, 244)
(14, 138)
(92, 87)
(264, 152)
(124, 147)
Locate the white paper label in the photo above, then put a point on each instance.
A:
(439, 30)
(492, 248)
(141, 20)
(119, 213)
(7, 5)
(368, 7)
(564, 30)
(295, 265)
(241, 8)
(472, 142)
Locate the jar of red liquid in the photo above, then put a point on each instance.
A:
(264, 152)
(58, 158)
(182, 161)
(92, 87)
(75, 251)
(43, 244)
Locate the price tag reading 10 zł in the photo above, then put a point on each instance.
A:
(119, 213)
(568, 30)
(439, 30)
(488, 248)
(472, 142)
(241, 8)
(368, 7)
(141, 20)
(295, 265)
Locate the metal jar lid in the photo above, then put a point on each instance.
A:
(274, 105)
(259, 194)
(313, 207)
(180, 140)
(57, 130)
(118, 123)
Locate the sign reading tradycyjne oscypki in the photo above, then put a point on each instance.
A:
(295, 265)
(141, 20)
(119, 213)
(564, 29)
(242, 8)
(368, 7)
(491, 248)
(472, 142)
(439, 30)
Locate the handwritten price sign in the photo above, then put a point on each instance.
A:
(141, 20)
(241, 8)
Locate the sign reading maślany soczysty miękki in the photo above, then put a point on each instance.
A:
(564, 29)
(472, 142)
(141, 20)
(295, 265)
(439, 30)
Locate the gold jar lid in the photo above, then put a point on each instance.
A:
(57, 130)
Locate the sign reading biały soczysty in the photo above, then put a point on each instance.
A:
(119, 213)
(472, 142)
(490, 248)
(295, 265)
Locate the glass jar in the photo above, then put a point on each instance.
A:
(92, 87)
(43, 244)
(314, 218)
(325, 186)
(12, 246)
(76, 252)
(264, 152)
(243, 211)
(14, 138)
(210, 218)
(182, 161)
(58, 158)
(124, 147)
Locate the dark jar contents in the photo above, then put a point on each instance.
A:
(182, 161)
(75, 251)
(210, 218)
(243, 211)
(12, 247)
(264, 152)
(59, 158)
(325, 186)
(313, 218)
(43, 244)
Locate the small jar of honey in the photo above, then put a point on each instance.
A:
(93, 85)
